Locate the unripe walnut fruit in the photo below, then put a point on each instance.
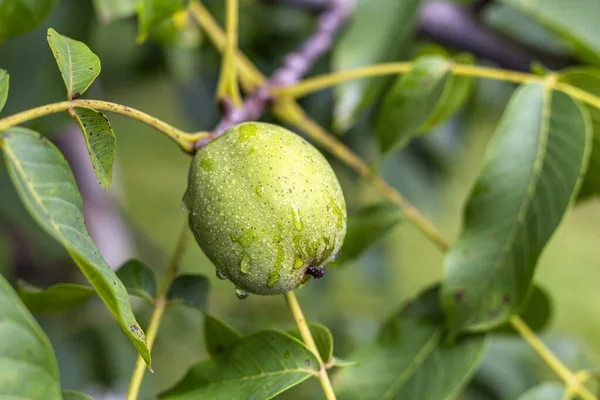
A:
(265, 207)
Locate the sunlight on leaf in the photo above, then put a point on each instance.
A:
(410, 359)
(258, 366)
(530, 175)
(47, 188)
(28, 367)
(54, 299)
(78, 65)
(99, 140)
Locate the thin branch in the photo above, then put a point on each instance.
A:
(459, 27)
(307, 338)
(183, 139)
(228, 85)
(314, 84)
(573, 383)
(295, 65)
(159, 308)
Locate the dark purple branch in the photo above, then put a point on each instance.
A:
(459, 27)
(295, 65)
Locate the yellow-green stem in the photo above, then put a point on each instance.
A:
(250, 76)
(183, 139)
(290, 111)
(571, 380)
(307, 338)
(159, 308)
(317, 83)
(228, 86)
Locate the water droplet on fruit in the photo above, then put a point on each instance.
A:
(221, 274)
(296, 217)
(298, 263)
(245, 263)
(241, 293)
(260, 190)
(186, 202)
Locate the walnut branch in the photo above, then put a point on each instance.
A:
(295, 66)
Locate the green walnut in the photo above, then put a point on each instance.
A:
(265, 207)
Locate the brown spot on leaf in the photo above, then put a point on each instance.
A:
(459, 295)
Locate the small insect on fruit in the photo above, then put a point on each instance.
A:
(266, 208)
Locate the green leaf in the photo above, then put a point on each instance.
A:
(588, 79)
(576, 23)
(323, 339)
(455, 95)
(47, 188)
(152, 12)
(190, 290)
(379, 31)
(338, 362)
(259, 366)
(4, 78)
(219, 337)
(410, 359)
(73, 395)
(411, 101)
(545, 391)
(530, 175)
(78, 65)
(536, 312)
(21, 16)
(100, 141)
(56, 298)
(111, 10)
(365, 227)
(28, 367)
(523, 29)
(138, 279)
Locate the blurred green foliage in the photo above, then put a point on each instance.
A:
(177, 83)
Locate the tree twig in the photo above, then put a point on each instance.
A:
(159, 308)
(295, 65)
(459, 27)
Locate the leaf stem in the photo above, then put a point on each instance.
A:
(294, 306)
(573, 383)
(250, 76)
(311, 85)
(184, 140)
(157, 313)
(228, 87)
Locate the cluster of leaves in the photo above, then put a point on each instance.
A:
(543, 146)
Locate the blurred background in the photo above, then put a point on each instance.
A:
(173, 76)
